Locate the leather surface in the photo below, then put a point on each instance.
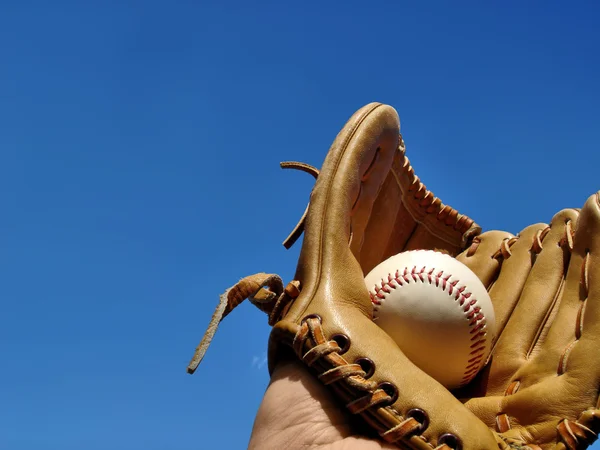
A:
(367, 204)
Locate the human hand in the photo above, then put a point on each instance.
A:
(297, 411)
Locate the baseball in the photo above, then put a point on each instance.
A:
(437, 311)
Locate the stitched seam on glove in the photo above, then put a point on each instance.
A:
(425, 201)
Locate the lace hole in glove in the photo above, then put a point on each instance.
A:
(343, 341)
(390, 390)
(451, 441)
(367, 365)
(420, 416)
(312, 316)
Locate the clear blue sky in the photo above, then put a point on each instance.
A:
(139, 152)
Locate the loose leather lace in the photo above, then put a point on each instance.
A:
(299, 228)
(265, 291)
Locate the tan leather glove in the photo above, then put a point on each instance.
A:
(539, 389)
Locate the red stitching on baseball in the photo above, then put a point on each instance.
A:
(473, 313)
(481, 341)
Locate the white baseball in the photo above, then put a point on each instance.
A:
(437, 311)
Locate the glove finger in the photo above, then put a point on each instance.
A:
(479, 257)
(516, 262)
(528, 322)
(560, 380)
(513, 255)
(573, 336)
(496, 250)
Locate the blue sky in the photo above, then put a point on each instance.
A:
(139, 178)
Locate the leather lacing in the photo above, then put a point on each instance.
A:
(299, 228)
(427, 201)
(504, 252)
(265, 291)
(362, 395)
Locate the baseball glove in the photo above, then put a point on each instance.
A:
(539, 390)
